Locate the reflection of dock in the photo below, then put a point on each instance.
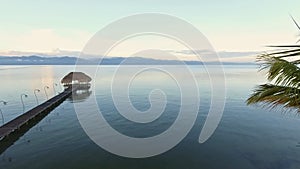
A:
(44, 108)
(76, 88)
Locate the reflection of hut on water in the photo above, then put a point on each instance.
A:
(80, 95)
(77, 79)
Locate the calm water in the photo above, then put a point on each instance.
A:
(247, 137)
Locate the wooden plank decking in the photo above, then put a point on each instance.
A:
(23, 119)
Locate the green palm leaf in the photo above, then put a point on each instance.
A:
(273, 95)
(281, 71)
(283, 74)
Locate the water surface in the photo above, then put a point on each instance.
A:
(247, 137)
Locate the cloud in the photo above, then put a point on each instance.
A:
(55, 52)
(225, 56)
(44, 40)
(49, 42)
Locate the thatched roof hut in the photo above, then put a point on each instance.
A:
(75, 78)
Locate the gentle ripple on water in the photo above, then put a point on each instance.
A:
(247, 137)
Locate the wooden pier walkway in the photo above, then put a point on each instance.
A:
(20, 121)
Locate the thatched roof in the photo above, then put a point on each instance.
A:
(75, 77)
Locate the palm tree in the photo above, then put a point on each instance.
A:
(283, 76)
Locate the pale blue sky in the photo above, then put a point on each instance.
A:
(232, 25)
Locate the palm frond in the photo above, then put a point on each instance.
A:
(286, 52)
(285, 46)
(296, 25)
(284, 74)
(273, 95)
(295, 22)
(282, 71)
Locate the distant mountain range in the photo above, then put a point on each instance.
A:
(67, 60)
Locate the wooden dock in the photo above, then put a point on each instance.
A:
(21, 121)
